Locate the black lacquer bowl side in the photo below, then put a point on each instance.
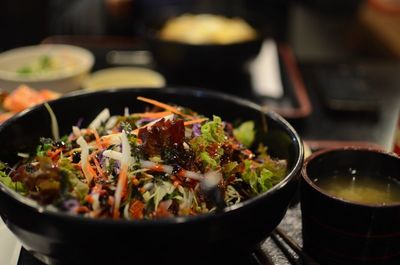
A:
(338, 231)
(56, 238)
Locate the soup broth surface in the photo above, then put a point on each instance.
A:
(361, 189)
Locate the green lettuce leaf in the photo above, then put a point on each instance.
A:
(211, 138)
(213, 131)
(265, 180)
(208, 161)
(6, 180)
(245, 133)
(260, 178)
(72, 176)
(277, 167)
(230, 168)
(250, 176)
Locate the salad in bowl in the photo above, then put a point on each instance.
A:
(163, 170)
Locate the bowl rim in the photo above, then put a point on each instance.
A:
(362, 149)
(82, 54)
(46, 210)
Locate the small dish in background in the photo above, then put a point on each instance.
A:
(58, 67)
(357, 223)
(124, 77)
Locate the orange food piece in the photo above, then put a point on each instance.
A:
(162, 210)
(25, 97)
(5, 116)
(47, 94)
(136, 209)
(21, 98)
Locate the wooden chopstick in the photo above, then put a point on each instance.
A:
(293, 245)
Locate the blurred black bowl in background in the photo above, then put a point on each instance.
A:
(187, 63)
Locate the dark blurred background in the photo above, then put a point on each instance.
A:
(315, 29)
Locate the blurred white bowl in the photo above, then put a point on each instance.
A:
(58, 67)
(124, 77)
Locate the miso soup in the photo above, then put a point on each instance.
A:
(368, 190)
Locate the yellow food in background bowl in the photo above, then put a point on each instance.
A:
(207, 29)
(124, 77)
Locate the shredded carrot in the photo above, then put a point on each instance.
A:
(89, 199)
(107, 139)
(98, 167)
(157, 168)
(110, 200)
(105, 142)
(154, 115)
(136, 131)
(176, 183)
(97, 137)
(164, 106)
(162, 210)
(200, 120)
(54, 154)
(98, 188)
(186, 123)
(122, 185)
(125, 190)
(91, 170)
(82, 209)
(136, 209)
(135, 182)
(181, 173)
(171, 110)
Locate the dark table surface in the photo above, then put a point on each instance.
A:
(323, 127)
(383, 81)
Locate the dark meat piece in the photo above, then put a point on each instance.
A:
(164, 134)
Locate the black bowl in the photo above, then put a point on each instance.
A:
(54, 237)
(186, 63)
(341, 232)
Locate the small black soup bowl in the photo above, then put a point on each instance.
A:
(341, 230)
(58, 238)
